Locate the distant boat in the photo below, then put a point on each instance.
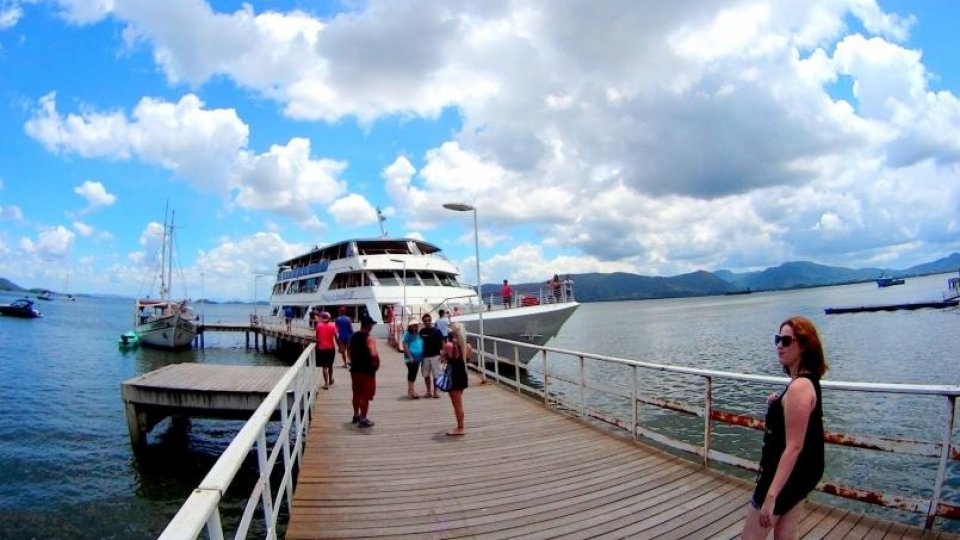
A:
(744, 291)
(45, 295)
(887, 281)
(22, 308)
(162, 322)
(128, 340)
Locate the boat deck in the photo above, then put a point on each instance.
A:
(522, 471)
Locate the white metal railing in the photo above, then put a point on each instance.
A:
(943, 451)
(202, 508)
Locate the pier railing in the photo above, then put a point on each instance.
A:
(567, 386)
(294, 397)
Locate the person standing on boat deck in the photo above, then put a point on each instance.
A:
(432, 343)
(288, 316)
(344, 332)
(506, 293)
(313, 318)
(555, 286)
(791, 461)
(364, 363)
(443, 322)
(326, 333)
(456, 352)
(412, 356)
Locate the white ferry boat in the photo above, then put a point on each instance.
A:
(387, 277)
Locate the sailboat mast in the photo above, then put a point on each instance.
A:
(168, 280)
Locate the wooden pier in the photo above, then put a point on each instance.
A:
(522, 471)
(260, 333)
(203, 390)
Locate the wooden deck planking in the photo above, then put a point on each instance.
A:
(211, 378)
(522, 471)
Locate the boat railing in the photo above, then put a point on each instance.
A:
(569, 384)
(202, 509)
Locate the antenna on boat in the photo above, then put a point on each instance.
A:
(382, 218)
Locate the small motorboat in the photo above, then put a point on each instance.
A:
(128, 340)
(22, 308)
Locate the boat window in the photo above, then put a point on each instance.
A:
(411, 278)
(346, 280)
(429, 278)
(386, 277)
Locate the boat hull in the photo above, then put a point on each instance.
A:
(20, 313)
(528, 324)
(170, 332)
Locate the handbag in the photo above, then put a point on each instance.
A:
(444, 381)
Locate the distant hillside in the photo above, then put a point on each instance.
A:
(7, 285)
(950, 263)
(595, 287)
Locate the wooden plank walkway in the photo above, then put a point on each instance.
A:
(522, 471)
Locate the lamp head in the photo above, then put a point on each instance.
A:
(458, 207)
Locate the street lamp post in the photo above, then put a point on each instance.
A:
(403, 309)
(461, 207)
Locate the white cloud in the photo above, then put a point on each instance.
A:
(10, 14)
(11, 213)
(285, 179)
(82, 228)
(52, 243)
(95, 194)
(207, 147)
(353, 210)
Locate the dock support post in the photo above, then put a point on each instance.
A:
(137, 425)
(246, 341)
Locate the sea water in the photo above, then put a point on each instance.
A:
(67, 469)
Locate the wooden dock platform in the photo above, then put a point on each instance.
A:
(205, 390)
(522, 471)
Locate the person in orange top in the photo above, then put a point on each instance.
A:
(326, 347)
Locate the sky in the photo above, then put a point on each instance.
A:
(649, 137)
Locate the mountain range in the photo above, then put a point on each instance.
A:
(596, 287)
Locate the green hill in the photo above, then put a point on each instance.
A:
(7, 285)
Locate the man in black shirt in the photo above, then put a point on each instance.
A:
(432, 343)
(364, 363)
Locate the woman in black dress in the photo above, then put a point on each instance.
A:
(791, 461)
(455, 353)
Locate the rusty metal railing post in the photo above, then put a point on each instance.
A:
(942, 467)
(707, 421)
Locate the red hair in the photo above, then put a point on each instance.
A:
(813, 359)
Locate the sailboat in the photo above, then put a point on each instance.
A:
(162, 322)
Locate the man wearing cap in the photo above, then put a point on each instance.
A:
(326, 347)
(364, 363)
(344, 331)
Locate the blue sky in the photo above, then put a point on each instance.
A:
(640, 137)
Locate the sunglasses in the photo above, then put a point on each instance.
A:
(785, 340)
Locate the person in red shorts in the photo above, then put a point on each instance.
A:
(326, 347)
(364, 363)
